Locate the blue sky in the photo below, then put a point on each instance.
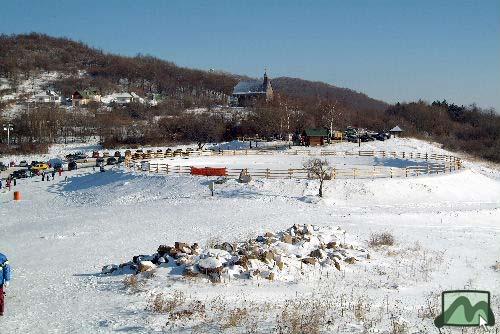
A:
(394, 50)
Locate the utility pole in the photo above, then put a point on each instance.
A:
(8, 127)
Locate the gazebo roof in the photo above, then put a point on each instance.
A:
(396, 129)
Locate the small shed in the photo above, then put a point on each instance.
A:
(396, 131)
(315, 137)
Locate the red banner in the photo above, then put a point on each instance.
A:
(209, 171)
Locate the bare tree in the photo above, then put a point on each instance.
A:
(320, 169)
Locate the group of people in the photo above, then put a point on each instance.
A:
(9, 182)
(5, 275)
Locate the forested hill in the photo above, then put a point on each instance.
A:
(22, 54)
(299, 88)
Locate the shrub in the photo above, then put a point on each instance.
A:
(381, 239)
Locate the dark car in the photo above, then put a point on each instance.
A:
(117, 154)
(380, 136)
(111, 161)
(351, 139)
(99, 162)
(3, 166)
(121, 159)
(72, 165)
(20, 174)
(366, 137)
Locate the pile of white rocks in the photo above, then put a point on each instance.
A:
(274, 256)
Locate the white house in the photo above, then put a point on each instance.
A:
(122, 98)
(48, 96)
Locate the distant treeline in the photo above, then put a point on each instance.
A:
(298, 104)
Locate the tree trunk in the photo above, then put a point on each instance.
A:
(320, 188)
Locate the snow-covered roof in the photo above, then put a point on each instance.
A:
(396, 129)
(252, 86)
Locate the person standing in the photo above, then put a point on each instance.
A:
(5, 274)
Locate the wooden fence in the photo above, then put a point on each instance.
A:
(363, 172)
(381, 154)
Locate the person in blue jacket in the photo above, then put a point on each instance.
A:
(4, 279)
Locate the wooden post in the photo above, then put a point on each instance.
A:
(334, 173)
(354, 172)
(391, 171)
(267, 173)
(290, 172)
(158, 167)
(406, 171)
(167, 169)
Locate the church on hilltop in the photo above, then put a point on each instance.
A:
(247, 93)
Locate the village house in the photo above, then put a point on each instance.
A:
(247, 93)
(48, 96)
(82, 98)
(122, 98)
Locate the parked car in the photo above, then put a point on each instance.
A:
(55, 163)
(105, 154)
(128, 153)
(95, 154)
(351, 138)
(23, 164)
(39, 167)
(2, 167)
(111, 161)
(380, 136)
(117, 154)
(99, 162)
(20, 174)
(72, 165)
(121, 159)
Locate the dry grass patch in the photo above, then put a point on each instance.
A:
(381, 239)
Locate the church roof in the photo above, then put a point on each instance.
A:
(251, 86)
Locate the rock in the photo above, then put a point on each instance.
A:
(331, 245)
(227, 247)
(337, 265)
(270, 276)
(163, 249)
(191, 271)
(184, 260)
(243, 261)
(368, 256)
(280, 265)
(308, 229)
(210, 265)
(162, 260)
(260, 238)
(318, 253)
(350, 260)
(309, 260)
(269, 235)
(109, 268)
(183, 247)
(287, 239)
(146, 266)
(195, 249)
(268, 256)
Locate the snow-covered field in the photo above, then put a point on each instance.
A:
(446, 230)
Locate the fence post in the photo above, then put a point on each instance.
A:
(391, 171)
(290, 172)
(403, 155)
(267, 173)
(428, 169)
(426, 156)
(354, 172)
(158, 167)
(406, 171)
(167, 169)
(334, 173)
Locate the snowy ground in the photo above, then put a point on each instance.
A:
(447, 231)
